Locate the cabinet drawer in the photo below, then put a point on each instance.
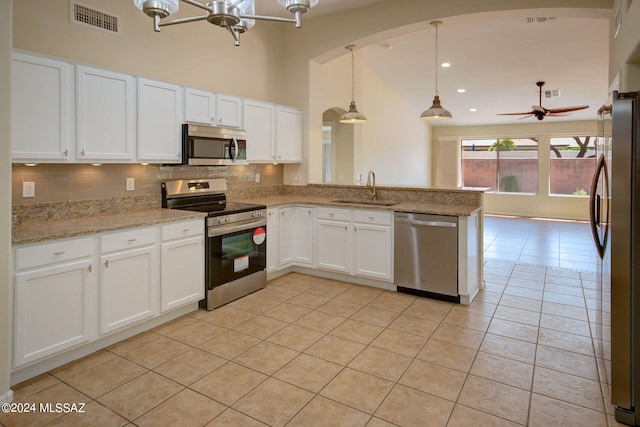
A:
(373, 217)
(179, 230)
(127, 239)
(337, 214)
(50, 253)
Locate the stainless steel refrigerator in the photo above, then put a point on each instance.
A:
(615, 222)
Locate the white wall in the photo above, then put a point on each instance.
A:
(539, 205)
(6, 306)
(394, 142)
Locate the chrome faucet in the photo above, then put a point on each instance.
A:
(371, 182)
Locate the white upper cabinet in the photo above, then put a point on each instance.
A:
(259, 123)
(41, 109)
(199, 106)
(105, 115)
(229, 109)
(288, 134)
(160, 114)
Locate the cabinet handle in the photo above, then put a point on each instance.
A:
(346, 228)
(213, 119)
(371, 218)
(331, 214)
(282, 213)
(66, 153)
(309, 211)
(132, 240)
(185, 230)
(90, 268)
(59, 252)
(106, 264)
(82, 152)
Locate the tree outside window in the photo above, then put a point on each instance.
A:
(571, 165)
(504, 165)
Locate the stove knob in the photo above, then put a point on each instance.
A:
(227, 219)
(220, 219)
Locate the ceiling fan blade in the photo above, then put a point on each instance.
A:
(515, 114)
(568, 109)
(526, 117)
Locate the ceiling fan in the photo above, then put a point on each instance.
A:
(540, 112)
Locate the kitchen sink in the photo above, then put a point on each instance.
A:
(366, 202)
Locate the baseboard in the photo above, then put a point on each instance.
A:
(6, 397)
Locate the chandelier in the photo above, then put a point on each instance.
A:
(436, 111)
(237, 16)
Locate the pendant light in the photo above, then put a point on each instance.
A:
(436, 112)
(352, 116)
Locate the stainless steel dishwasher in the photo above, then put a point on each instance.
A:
(426, 255)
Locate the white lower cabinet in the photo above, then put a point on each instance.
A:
(55, 289)
(181, 264)
(273, 247)
(333, 243)
(373, 244)
(295, 235)
(357, 242)
(129, 279)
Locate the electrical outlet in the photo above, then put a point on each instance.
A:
(131, 184)
(257, 177)
(28, 189)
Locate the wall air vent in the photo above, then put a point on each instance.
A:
(553, 93)
(94, 18)
(539, 19)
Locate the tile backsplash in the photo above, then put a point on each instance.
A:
(72, 182)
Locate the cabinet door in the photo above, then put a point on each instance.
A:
(229, 109)
(53, 309)
(285, 236)
(259, 123)
(160, 113)
(105, 115)
(272, 239)
(181, 272)
(289, 134)
(333, 245)
(128, 288)
(41, 109)
(373, 251)
(199, 106)
(303, 235)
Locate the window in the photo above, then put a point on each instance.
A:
(504, 165)
(571, 165)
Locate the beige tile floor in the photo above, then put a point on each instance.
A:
(307, 351)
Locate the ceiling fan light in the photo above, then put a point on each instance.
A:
(436, 112)
(353, 116)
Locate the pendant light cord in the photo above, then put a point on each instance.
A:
(353, 76)
(436, 64)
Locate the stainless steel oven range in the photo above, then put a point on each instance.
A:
(236, 243)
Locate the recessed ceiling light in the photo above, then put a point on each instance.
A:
(473, 110)
(462, 90)
(445, 65)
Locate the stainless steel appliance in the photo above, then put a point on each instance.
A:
(426, 255)
(614, 199)
(213, 146)
(236, 243)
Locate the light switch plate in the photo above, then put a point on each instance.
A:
(28, 189)
(257, 177)
(131, 184)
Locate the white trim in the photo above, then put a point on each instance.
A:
(6, 397)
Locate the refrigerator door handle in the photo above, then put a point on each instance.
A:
(595, 206)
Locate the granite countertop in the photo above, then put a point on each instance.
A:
(419, 207)
(39, 231)
(33, 232)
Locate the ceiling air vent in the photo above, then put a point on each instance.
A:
(539, 19)
(94, 18)
(553, 93)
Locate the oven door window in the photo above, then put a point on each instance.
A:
(235, 255)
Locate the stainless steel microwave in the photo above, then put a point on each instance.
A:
(213, 146)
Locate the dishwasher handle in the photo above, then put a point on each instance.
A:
(426, 223)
